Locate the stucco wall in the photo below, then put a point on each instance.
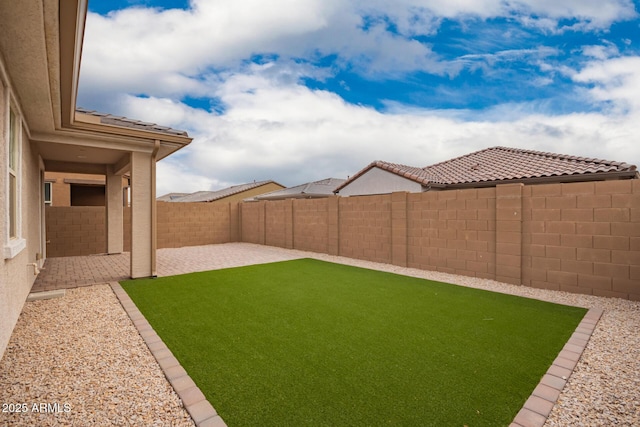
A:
(379, 181)
(16, 275)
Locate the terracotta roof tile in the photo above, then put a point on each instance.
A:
(496, 164)
(503, 163)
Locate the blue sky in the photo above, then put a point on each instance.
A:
(301, 90)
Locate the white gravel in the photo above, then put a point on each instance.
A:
(84, 351)
(81, 355)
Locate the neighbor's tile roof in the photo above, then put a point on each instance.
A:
(109, 119)
(210, 196)
(171, 196)
(414, 174)
(322, 188)
(501, 164)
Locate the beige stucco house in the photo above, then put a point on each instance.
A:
(42, 130)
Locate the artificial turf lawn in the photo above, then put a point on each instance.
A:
(307, 342)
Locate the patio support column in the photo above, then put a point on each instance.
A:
(114, 208)
(143, 195)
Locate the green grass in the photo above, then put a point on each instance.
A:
(311, 343)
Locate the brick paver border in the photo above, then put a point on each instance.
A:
(537, 408)
(194, 401)
(534, 413)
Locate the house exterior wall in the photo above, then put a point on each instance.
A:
(379, 181)
(16, 273)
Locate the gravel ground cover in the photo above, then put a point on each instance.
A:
(79, 361)
(83, 350)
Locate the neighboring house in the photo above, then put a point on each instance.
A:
(74, 189)
(170, 196)
(309, 190)
(235, 193)
(484, 168)
(41, 130)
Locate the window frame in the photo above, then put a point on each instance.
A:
(48, 201)
(13, 128)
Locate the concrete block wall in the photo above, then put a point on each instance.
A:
(576, 237)
(193, 224)
(278, 224)
(453, 231)
(583, 238)
(365, 227)
(80, 230)
(74, 231)
(310, 225)
(252, 222)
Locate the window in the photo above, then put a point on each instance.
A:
(14, 243)
(13, 175)
(48, 195)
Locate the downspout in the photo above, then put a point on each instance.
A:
(154, 224)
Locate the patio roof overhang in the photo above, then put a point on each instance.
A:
(42, 46)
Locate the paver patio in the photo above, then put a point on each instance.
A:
(77, 271)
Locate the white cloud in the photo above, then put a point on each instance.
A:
(292, 134)
(166, 52)
(273, 127)
(604, 51)
(614, 80)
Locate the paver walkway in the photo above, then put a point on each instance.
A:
(77, 271)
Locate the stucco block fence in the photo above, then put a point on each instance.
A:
(577, 237)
